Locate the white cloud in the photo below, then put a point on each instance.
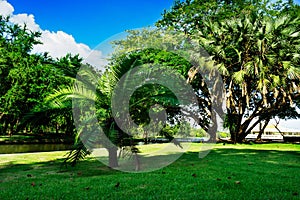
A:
(57, 44)
(22, 19)
(5, 8)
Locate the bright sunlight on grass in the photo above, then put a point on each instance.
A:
(264, 171)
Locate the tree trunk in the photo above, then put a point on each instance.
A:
(239, 131)
(212, 131)
(240, 135)
(234, 127)
(262, 129)
(5, 127)
(113, 157)
(69, 126)
(56, 128)
(11, 129)
(145, 137)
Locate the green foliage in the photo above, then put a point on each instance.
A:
(256, 50)
(190, 16)
(26, 79)
(223, 134)
(79, 152)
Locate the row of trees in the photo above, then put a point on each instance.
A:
(26, 79)
(254, 45)
(256, 53)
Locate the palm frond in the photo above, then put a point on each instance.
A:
(79, 152)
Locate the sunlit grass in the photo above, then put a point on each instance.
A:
(266, 171)
(15, 137)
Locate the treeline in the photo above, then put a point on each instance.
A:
(252, 45)
(26, 79)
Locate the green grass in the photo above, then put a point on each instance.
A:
(263, 171)
(15, 137)
(31, 137)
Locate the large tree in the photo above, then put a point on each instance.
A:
(92, 100)
(27, 78)
(257, 51)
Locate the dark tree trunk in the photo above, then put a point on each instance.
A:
(56, 128)
(11, 128)
(262, 129)
(240, 135)
(145, 137)
(234, 128)
(69, 126)
(5, 127)
(239, 131)
(113, 157)
(233, 135)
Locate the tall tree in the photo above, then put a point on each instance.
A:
(92, 97)
(15, 46)
(257, 52)
(27, 78)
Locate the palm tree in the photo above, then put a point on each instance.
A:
(258, 57)
(91, 97)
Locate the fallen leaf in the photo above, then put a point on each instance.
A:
(237, 182)
(117, 185)
(33, 184)
(79, 173)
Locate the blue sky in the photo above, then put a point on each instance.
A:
(92, 21)
(78, 27)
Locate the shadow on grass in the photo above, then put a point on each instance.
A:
(224, 158)
(87, 167)
(225, 173)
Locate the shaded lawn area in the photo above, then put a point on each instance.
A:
(260, 171)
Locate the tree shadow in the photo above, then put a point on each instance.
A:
(245, 159)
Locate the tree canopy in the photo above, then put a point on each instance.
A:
(249, 51)
(256, 45)
(27, 79)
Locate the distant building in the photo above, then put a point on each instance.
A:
(278, 133)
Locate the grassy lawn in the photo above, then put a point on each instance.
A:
(260, 171)
(15, 137)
